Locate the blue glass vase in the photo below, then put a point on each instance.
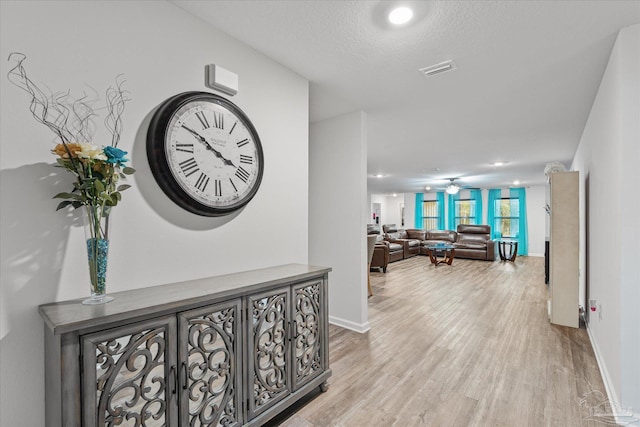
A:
(96, 229)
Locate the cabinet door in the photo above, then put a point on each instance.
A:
(308, 330)
(267, 350)
(210, 365)
(129, 375)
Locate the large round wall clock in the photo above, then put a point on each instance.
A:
(205, 153)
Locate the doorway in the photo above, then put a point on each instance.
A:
(377, 208)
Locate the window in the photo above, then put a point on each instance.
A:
(465, 212)
(430, 214)
(507, 218)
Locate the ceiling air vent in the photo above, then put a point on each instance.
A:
(438, 68)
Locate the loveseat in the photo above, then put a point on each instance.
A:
(398, 236)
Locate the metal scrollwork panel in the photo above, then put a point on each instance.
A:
(127, 376)
(306, 344)
(211, 381)
(269, 349)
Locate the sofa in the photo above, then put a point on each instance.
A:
(434, 237)
(398, 236)
(469, 241)
(380, 258)
(474, 242)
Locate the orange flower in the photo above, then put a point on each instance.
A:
(61, 151)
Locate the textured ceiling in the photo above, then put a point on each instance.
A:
(526, 77)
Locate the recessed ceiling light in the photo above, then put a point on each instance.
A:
(395, 195)
(400, 15)
(427, 188)
(379, 175)
(516, 182)
(498, 164)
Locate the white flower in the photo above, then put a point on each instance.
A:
(90, 151)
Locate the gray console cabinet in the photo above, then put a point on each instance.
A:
(231, 350)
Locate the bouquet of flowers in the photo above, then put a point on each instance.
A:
(97, 169)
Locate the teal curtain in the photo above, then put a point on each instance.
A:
(494, 194)
(419, 202)
(523, 240)
(451, 224)
(477, 196)
(440, 201)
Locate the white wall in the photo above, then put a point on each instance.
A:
(393, 215)
(161, 51)
(410, 210)
(536, 219)
(607, 158)
(338, 214)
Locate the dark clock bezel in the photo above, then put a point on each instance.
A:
(159, 165)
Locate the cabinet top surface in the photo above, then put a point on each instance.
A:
(68, 316)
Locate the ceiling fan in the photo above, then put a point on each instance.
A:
(453, 187)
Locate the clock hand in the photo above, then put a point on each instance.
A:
(209, 147)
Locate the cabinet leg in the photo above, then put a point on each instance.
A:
(324, 387)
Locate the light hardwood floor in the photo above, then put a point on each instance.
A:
(461, 345)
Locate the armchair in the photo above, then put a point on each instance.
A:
(474, 242)
(380, 257)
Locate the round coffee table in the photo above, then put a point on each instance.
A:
(447, 251)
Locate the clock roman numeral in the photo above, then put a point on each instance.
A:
(189, 166)
(242, 174)
(218, 120)
(243, 142)
(218, 185)
(246, 159)
(233, 127)
(203, 119)
(186, 148)
(201, 183)
(233, 185)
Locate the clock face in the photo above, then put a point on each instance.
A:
(205, 153)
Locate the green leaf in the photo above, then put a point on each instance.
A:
(128, 170)
(64, 204)
(99, 186)
(67, 196)
(123, 187)
(76, 204)
(117, 196)
(86, 185)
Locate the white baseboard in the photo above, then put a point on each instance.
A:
(623, 417)
(347, 324)
(538, 255)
